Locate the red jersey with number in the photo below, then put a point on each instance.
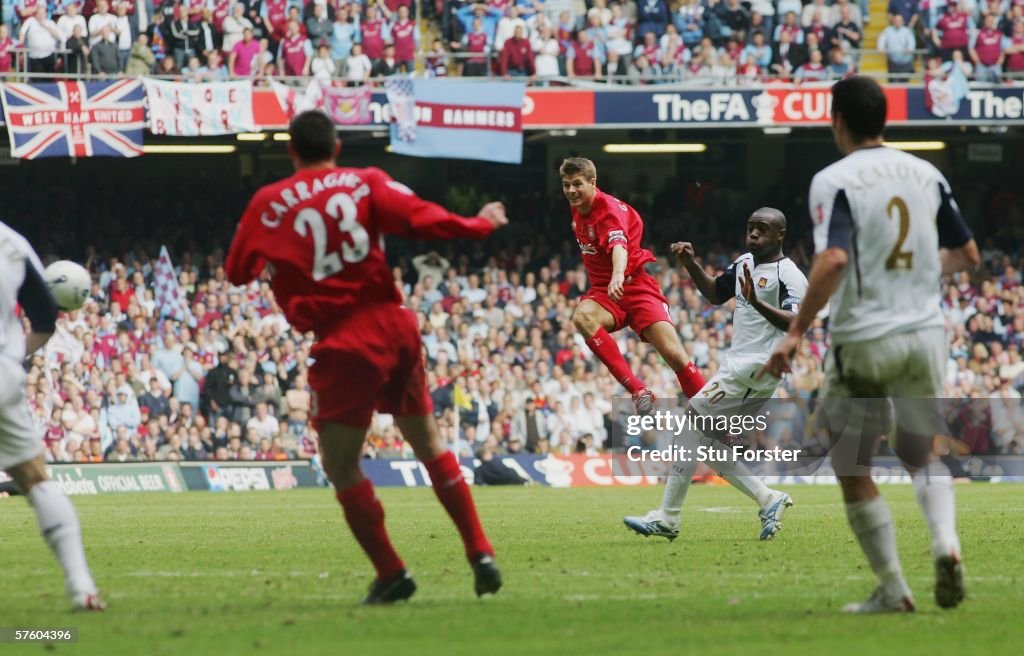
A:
(610, 223)
(322, 233)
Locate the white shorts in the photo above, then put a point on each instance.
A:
(20, 440)
(908, 365)
(734, 390)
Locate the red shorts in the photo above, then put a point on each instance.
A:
(641, 305)
(370, 360)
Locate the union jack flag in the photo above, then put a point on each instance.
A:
(403, 106)
(75, 119)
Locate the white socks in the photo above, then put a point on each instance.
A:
(59, 525)
(741, 478)
(933, 487)
(681, 475)
(871, 522)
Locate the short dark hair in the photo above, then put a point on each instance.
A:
(313, 136)
(578, 166)
(861, 102)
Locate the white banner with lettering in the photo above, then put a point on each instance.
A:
(189, 110)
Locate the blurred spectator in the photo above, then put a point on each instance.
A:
(787, 56)
(66, 23)
(652, 16)
(405, 37)
(241, 59)
(897, 43)
(344, 32)
(436, 61)
(322, 66)
(1015, 52)
(6, 44)
(953, 31)
(76, 58)
(294, 52)
(374, 34)
(387, 65)
(99, 19)
(104, 55)
(583, 59)
(318, 26)
(814, 69)
(41, 38)
(987, 48)
(234, 27)
(141, 59)
(358, 66)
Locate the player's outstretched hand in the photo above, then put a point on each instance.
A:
(495, 214)
(747, 286)
(781, 359)
(683, 251)
(615, 286)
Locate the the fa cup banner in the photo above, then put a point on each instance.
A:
(205, 109)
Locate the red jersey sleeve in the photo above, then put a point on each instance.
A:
(244, 261)
(399, 211)
(611, 229)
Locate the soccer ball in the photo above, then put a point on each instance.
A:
(69, 283)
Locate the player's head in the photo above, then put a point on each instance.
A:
(313, 139)
(579, 181)
(766, 228)
(858, 112)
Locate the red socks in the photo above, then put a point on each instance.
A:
(453, 493)
(365, 516)
(607, 351)
(690, 379)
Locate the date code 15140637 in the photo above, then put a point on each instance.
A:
(9, 634)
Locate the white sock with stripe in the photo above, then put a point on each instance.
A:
(58, 523)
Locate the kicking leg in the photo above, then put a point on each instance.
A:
(420, 431)
(58, 523)
(594, 322)
(341, 447)
(663, 335)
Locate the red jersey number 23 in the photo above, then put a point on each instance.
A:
(342, 209)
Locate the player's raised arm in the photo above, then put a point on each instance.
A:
(715, 290)
(957, 248)
(402, 212)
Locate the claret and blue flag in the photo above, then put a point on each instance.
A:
(460, 120)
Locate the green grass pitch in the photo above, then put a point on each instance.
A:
(278, 573)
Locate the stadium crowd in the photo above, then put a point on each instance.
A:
(717, 42)
(506, 368)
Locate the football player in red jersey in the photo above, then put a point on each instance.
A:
(622, 294)
(320, 234)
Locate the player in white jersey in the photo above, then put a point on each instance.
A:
(21, 444)
(768, 289)
(885, 229)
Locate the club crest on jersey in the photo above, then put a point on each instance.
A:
(591, 234)
(762, 283)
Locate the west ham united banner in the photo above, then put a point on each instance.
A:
(457, 119)
(190, 110)
(74, 119)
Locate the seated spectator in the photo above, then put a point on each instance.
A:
(818, 28)
(517, 57)
(154, 400)
(263, 423)
(813, 70)
(838, 66)
(787, 56)
(651, 16)
(844, 11)
(760, 51)
(789, 26)
(736, 18)
(689, 22)
(847, 33)
(435, 62)
(386, 65)
(104, 55)
(724, 70)
(749, 72)
(987, 51)
(818, 9)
